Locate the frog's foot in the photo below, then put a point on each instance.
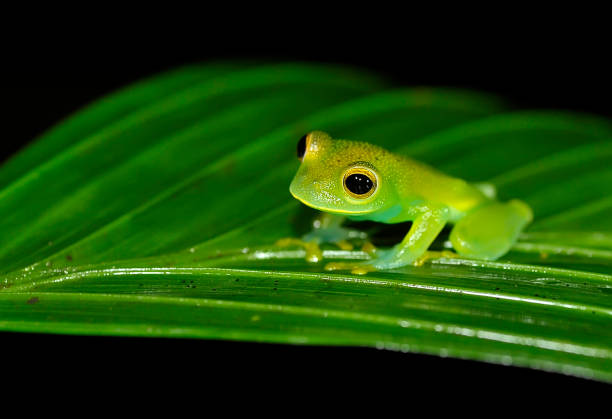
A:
(434, 254)
(313, 251)
(344, 244)
(327, 230)
(369, 248)
(357, 268)
(379, 260)
(386, 259)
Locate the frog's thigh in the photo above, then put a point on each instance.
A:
(489, 231)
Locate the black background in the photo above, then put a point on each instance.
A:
(43, 85)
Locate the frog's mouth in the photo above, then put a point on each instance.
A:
(325, 209)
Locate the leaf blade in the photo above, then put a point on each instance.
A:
(191, 252)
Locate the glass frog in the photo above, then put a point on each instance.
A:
(361, 181)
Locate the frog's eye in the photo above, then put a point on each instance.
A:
(360, 182)
(301, 147)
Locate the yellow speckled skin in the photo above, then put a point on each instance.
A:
(405, 190)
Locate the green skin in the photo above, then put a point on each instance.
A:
(404, 190)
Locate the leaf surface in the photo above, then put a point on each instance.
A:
(154, 212)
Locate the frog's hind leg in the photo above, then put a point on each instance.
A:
(489, 231)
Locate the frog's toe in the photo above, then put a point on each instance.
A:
(313, 251)
(357, 268)
(381, 259)
(344, 245)
(369, 248)
(433, 254)
(336, 236)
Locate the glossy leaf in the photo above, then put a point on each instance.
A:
(155, 211)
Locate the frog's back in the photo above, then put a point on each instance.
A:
(418, 181)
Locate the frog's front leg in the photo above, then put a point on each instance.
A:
(327, 228)
(426, 226)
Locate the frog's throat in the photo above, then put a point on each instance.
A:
(333, 211)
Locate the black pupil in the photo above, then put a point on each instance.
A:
(358, 183)
(301, 147)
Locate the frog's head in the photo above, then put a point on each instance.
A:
(343, 177)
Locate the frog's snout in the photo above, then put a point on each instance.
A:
(304, 188)
(295, 189)
(296, 194)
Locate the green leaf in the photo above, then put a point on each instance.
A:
(154, 212)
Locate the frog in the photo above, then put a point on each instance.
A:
(360, 181)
